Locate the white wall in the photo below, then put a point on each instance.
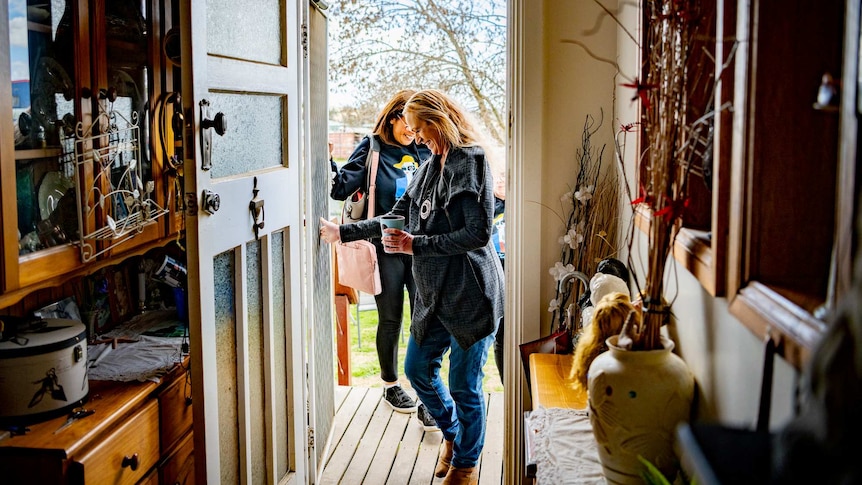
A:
(575, 86)
(726, 358)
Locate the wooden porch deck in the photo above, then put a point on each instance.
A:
(373, 445)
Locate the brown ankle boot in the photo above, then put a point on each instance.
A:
(462, 476)
(445, 460)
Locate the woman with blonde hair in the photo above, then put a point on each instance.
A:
(399, 158)
(448, 209)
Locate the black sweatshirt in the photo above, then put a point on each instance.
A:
(394, 172)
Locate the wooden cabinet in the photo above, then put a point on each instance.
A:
(86, 105)
(175, 413)
(82, 156)
(122, 442)
(179, 465)
(793, 169)
(125, 455)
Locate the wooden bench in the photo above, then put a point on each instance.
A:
(552, 387)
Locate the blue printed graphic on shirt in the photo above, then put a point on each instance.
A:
(499, 235)
(408, 165)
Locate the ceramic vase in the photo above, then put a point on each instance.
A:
(637, 399)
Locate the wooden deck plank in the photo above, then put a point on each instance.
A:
(372, 445)
(491, 469)
(341, 393)
(344, 414)
(390, 442)
(426, 459)
(405, 459)
(346, 447)
(367, 447)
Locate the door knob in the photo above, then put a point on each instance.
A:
(219, 123)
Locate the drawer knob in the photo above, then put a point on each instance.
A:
(131, 462)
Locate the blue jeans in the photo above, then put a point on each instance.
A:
(460, 409)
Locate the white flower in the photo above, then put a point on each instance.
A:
(567, 197)
(584, 194)
(553, 305)
(559, 270)
(573, 238)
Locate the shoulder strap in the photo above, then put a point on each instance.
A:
(371, 164)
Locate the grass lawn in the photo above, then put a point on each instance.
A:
(363, 358)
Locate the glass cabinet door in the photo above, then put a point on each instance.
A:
(43, 110)
(123, 170)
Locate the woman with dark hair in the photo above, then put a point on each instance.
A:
(399, 159)
(448, 210)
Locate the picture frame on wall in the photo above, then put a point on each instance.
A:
(119, 295)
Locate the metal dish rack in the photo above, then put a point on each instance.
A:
(117, 198)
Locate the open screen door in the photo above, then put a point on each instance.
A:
(242, 78)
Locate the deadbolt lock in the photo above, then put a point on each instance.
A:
(211, 201)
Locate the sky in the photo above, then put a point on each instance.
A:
(18, 39)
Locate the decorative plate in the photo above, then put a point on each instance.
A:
(52, 188)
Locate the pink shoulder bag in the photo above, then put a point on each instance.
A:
(357, 260)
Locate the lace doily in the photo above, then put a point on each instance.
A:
(564, 447)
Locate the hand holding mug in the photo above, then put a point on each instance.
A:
(395, 239)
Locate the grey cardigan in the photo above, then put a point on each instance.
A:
(459, 278)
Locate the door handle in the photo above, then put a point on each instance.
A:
(208, 122)
(255, 206)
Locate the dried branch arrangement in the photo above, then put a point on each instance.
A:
(678, 138)
(591, 227)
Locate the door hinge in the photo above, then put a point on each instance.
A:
(304, 40)
(310, 437)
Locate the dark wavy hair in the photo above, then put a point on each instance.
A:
(392, 111)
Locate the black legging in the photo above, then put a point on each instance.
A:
(396, 273)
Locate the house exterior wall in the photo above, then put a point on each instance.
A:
(343, 143)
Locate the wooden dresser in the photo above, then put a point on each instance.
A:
(139, 433)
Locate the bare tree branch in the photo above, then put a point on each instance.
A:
(459, 47)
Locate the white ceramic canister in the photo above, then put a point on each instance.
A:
(43, 370)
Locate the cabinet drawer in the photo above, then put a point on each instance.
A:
(179, 467)
(175, 412)
(127, 454)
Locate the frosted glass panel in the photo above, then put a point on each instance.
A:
(256, 355)
(225, 330)
(253, 122)
(279, 335)
(245, 29)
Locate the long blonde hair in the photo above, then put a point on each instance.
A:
(608, 318)
(442, 113)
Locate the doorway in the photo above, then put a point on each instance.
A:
(346, 129)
